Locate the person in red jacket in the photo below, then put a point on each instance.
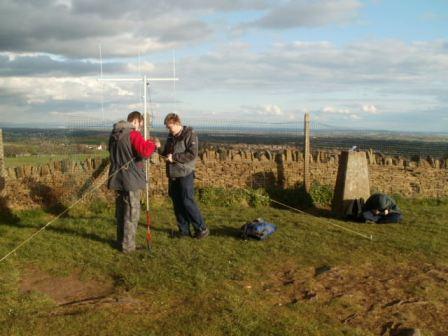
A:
(128, 149)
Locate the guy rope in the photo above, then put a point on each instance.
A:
(79, 200)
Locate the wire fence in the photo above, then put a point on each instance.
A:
(66, 160)
(90, 132)
(407, 144)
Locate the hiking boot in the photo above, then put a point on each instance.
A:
(202, 234)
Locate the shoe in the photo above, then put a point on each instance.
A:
(202, 234)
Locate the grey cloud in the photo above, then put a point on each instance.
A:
(186, 31)
(59, 30)
(76, 29)
(45, 65)
(305, 13)
(150, 8)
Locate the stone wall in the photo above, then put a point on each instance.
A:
(2, 155)
(30, 186)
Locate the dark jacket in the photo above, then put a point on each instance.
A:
(381, 202)
(184, 148)
(132, 176)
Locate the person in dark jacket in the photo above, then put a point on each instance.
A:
(381, 208)
(181, 152)
(128, 149)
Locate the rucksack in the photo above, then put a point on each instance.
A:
(354, 209)
(258, 229)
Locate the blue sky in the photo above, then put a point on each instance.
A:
(350, 63)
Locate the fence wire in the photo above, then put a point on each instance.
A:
(406, 144)
(54, 162)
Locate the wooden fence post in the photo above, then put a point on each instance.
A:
(306, 154)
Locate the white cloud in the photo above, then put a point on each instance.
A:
(355, 116)
(375, 78)
(375, 65)
(41, 90)
(334, 113)
(271, 109)
(263, 110)
(370, 108)
(143, 67)
(333, 110)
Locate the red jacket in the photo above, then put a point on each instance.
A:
(143, 148)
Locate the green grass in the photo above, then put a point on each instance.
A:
(217, 286)
(11, 162)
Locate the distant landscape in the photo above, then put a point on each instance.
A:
(37, 145)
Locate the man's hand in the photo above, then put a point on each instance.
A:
(386, 212)
(157, 142)
(169, 158)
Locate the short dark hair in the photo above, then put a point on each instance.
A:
(171, 118)
(135, 115)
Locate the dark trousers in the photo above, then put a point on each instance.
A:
(181, 191)
(392, 217)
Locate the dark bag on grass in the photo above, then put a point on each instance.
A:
(258, 229)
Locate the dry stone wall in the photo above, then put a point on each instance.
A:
(30, 186)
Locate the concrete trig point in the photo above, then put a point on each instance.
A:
(352, 180)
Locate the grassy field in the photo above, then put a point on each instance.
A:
(310, 278)
(43, 159)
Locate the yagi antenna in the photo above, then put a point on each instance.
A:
(102, 84)
(145, 80)
(101, 62)
(140, 73)
(139, 64)
(174, 82)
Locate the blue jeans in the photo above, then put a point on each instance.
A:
(181, 191)
(393, 217)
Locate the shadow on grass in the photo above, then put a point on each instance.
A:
(226, 231)
(221, 231)
(66, 231)
(295, 197)
(321, 212)
(84, 235)
(168, 231)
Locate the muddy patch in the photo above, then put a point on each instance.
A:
(75, 295)
(382, 300)
(64, 289)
